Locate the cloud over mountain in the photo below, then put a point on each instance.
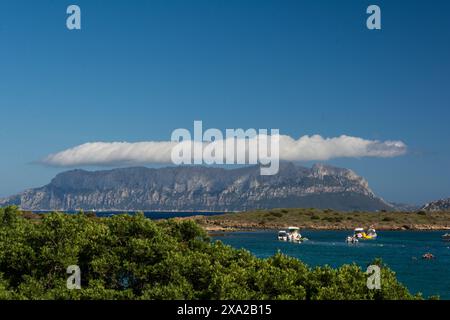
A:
(306, 148)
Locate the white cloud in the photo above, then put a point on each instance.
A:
(306, 148)
(318, 148)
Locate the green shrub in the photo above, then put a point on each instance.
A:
(332, 219)
(276, 214)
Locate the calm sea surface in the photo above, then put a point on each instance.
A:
(400, 250)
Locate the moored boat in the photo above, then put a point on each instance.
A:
(282, 235)
(351, 239)
(360, 233)
(446, 237)
(371, 233)
(292, 235)
(428, 256)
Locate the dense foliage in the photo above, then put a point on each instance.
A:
(131, 257)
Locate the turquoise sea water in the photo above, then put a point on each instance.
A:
(401, 250)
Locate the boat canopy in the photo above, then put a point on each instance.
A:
(293, 228)
(359, 229)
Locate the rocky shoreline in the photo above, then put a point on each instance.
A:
(230, 227)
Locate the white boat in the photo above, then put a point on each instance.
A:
(351, 239)
(371, 233)
(282, 235)
(446, 237)
(360, 233)
(292, 235)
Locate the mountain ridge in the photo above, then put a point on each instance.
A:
(437, 205)
(202, 188)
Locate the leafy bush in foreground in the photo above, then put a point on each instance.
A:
(131, 257)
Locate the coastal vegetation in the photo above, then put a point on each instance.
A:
(327, 219)
(132, 257)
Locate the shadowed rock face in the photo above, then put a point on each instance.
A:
(202, 188)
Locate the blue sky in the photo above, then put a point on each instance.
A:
(139, 69)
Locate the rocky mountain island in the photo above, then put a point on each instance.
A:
(202, 188)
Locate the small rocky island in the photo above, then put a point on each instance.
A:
(316, 219)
